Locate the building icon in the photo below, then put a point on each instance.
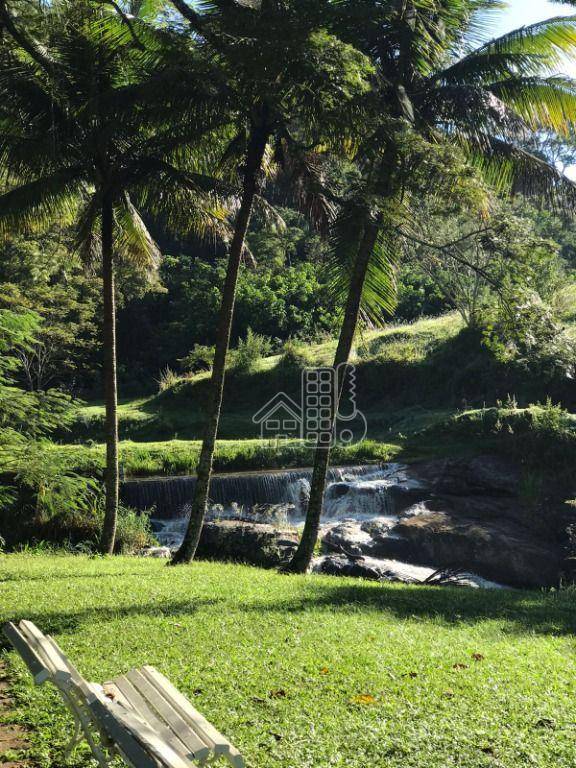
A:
(281, 417)
(327, 415)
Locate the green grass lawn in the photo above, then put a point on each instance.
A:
(312, 671)
(174, 457)
(180, 457)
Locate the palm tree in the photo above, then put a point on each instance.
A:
(78, 142)
(432, 86)
(291, 85)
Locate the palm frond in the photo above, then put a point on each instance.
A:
(512, 170)
(31, 207)
(472, 108)
(87, 238)
(133, 242)
(379, 294)
(306, 184)
(542, 103)
(551, 40)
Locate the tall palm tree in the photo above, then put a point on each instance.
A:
(432, 85)
(291, 85)
(79, 142)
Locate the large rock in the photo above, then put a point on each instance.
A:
(369, 568)
(372, 538)
(484, 535)
(481, 475)
(255, 543)
(500, 550)
(393, 570)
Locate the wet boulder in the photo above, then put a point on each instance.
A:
(499, 550)
(370, 568)
(254, 543)
(481, 475)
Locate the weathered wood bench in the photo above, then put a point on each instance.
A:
(141, 716)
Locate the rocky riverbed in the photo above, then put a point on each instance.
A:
(449, 521)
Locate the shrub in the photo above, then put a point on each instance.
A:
(200, 358)
(81, 529)
(168, 378)
(540, 436)
(250, 350)
(529, 337)
(294, 356)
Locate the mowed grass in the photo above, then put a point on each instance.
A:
(174, 457)
(312, 671)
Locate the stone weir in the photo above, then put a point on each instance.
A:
(170, 497)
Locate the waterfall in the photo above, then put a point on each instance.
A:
(171, 496)
(278, 497)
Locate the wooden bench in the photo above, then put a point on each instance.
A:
(141, 716)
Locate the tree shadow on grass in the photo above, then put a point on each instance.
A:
(60, 622)
(521, 611)
(18, 577)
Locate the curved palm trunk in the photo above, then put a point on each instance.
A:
(110, 386)
(303, 555)
(255, 154)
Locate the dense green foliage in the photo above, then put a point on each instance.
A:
(284, 296)
(43, 496)
(450, 239)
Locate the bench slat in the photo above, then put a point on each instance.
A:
(54, 661)
(111, 691)
(35, 664)
(192, 741)
(54, 656)
(119, 719)
(130, 694)
(199, 723)
(134, 752)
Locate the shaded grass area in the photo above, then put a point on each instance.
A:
(312, 671)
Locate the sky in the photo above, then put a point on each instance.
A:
(522, 12)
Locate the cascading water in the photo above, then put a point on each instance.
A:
(278, 497)
(358, 512)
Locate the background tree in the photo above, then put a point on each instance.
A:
(78, 144)
(484, 101)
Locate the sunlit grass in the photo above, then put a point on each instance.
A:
(174, 457)
(312, 671)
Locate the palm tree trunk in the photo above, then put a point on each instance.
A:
(254, 156)
(303, 555)
(111, 395)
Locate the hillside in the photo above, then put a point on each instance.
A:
(409, 377)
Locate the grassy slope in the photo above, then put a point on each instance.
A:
(153, 428)
(174, 457)
(277, 662)
(177, 413)
(410, 380)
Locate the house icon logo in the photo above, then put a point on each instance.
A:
(312, 420)
(281, 417)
